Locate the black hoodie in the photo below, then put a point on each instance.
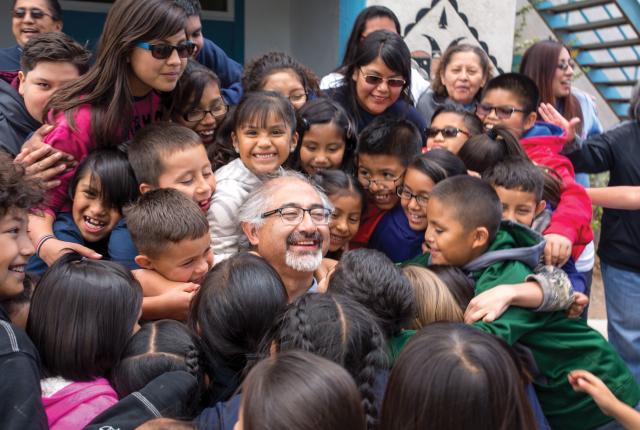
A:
(16, 124)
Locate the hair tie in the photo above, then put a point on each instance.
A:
(305, 123)
(492, 133)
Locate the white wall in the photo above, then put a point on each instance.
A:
(307, 30)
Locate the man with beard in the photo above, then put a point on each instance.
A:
(287, 223)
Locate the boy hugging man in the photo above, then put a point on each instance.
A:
(172, 237)
(464, 230)
(385, 149)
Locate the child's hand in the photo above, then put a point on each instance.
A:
(580, 301)
(177, 300)
(52, 249)
(41, 161)
(488, 306)
(323, 274)
(550, 114)
(586, 382)
(557, 250)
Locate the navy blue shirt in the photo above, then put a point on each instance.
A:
(10, 58)
(229, 72)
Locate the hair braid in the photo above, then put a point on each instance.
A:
(192, 360)
(365, 378)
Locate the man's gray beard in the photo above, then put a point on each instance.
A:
(303, 261)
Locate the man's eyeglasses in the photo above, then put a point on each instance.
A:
(217, 111)
(377, 80)
(293, 215)
(565, 66)
(36, 13)
(405, 194)
(366, 181)
(502, 112)
(162, 51)
(447, 132)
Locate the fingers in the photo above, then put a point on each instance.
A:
(83, 250)
(548, 254)
(41, 160)
(580, 299)
(30, 158)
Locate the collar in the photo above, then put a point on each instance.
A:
(314, 286)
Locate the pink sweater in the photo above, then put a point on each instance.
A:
(77, 404)
(79, 143)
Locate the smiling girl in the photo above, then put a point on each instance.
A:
(263, 136)
(379, 79)
(142, 52)
(103, 184)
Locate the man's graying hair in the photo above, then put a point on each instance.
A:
(259, 200)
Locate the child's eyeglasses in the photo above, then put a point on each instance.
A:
(36, 13)
(162, 51)
(217, 111)
(447, 132)
(377, 80)
(405, 194)
(565, 66)
(502, 112)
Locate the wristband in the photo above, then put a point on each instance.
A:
(41, 242)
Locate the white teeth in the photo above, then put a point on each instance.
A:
(18, 269)
(94, 222)
(206, 133)
(264, 156)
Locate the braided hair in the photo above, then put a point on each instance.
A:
(315, 321)
(370, 278)
(158, 347)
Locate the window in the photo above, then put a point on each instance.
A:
(217, 10)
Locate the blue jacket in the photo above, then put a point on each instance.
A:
(229, 71)
(118, 246)
(395, 238)
(10, 58)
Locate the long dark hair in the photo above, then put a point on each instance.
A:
(105, 86)
(358, 28)
(390, 47)
(82, 315)
(299, 390)
(540, 63)
(315, 322)
(483, 151)
(233, 310)
(445, 364)
(438, 164)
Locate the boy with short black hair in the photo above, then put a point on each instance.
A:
(49, 61)
(19, 360)
(511, 100)
(172, 236)
(385, 148)
(464, 230)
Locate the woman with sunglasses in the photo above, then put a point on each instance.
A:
(458, 80)
(379, 78)
(29, 17)
(141, 54)
(551, 67)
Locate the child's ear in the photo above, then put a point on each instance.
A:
(480, 238)
(143, 261)
(21, 78)
(251, 232)
(144, 188)
(234, 141)
(540, 207)
(58, 25)
(530, 120)
(294, 140)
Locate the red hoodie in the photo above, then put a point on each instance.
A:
(572, 217)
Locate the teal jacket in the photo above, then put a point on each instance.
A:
(558, 344)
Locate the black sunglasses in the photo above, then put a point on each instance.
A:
(162, 51)
(447, 132)
(502, 112)
(36, 13)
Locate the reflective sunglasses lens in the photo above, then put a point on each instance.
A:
(483, 109)
(449, 132)
(395, 83)
(37, 14)
(20, 12)
(161, 52)
(372, 80)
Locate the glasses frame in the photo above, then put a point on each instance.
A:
(379, 79)
(303, 98)
(40, 14)
(565, 66)
(379, 182)
(507, 110)
(188, 47)
(185, 115)
(420, 200)
(327, 214)
(446, 132)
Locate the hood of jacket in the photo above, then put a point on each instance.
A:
(545, 136)
(512, 242)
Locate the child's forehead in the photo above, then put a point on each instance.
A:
(379, 162)
(502, 97)
(13, 214)
(263, 120)
(515, 195)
